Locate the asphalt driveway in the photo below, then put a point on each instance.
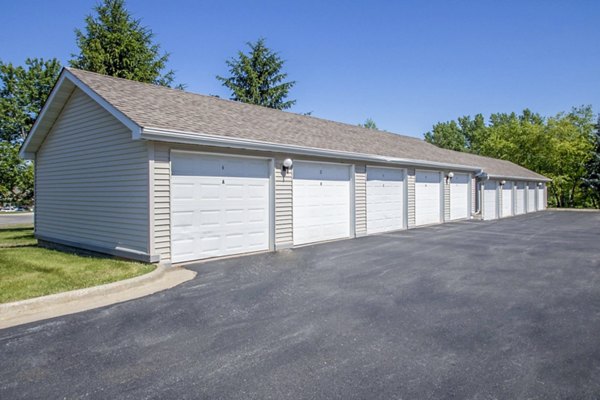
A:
(480, 310)
(7, 219)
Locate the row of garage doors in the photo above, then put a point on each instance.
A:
(511, 198)
(224, 205)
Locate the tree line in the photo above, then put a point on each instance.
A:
(563, 147)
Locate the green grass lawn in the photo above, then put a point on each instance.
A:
(28, 271)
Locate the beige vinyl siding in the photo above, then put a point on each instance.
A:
(283, 207)
(360, 199)
(499, 198)
(473, 196)
(92, 180)
(446, 184)
(411, 197)
(283, 235)
(162, 201)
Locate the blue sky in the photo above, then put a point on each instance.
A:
(406, 64)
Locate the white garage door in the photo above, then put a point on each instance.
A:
(459, 196)
(321, 195)
(427, 198)
(540, 197)
(530, 197)
(507, 199)
(219, 205)
(385, 199)
(490, 200)
(520, 201)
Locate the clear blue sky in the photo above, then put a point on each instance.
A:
(406, 64)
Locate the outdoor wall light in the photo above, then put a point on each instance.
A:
(502, 182)
(540, 184)
(449, 176)
(286, 166)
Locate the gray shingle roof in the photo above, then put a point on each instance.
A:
(151, 106)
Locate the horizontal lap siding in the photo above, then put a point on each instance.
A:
(411, 198)
(499, 198)
(92, 180)
(283, 197)
(446, 199)
(360, 199)
(162, 201)
(473, 196)
(283, 206)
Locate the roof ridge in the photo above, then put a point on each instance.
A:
(151, 105)
(242, 104)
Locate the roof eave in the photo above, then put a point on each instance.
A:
(56, 100)
(173, 136)
(520, 178)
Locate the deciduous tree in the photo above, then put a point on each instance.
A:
(23, 91)
(16, 176)
(448, 136)
(559, 147)
(591, 182)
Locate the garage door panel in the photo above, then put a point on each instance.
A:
(187, 165)
(392, 175)
(385, 199)
(460, 178)
(239, 168)
(321, 202)
(229, 214)
(507, 199)
(321, 172)
(427, 198)
(531, 197)
(540, 198)
(490, 200)
(459, 196)
(520, 199)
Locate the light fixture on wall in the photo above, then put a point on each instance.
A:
(449, 176)
(286, 166)
(540, 184)
(502, 183)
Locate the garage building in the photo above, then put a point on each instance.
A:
(161, 175)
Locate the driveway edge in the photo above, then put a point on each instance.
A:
(573, 209)
(54, 305)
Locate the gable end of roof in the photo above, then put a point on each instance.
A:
(66, 83)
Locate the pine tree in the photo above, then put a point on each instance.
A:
(257, 78)
(116, 44)
(369, 124)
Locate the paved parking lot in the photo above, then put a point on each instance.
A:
(7, 219)
(480, 310)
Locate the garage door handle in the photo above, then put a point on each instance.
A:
(223, 182)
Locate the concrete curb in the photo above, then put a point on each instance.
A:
(64, 297)
(8, 214)
(54, 305)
